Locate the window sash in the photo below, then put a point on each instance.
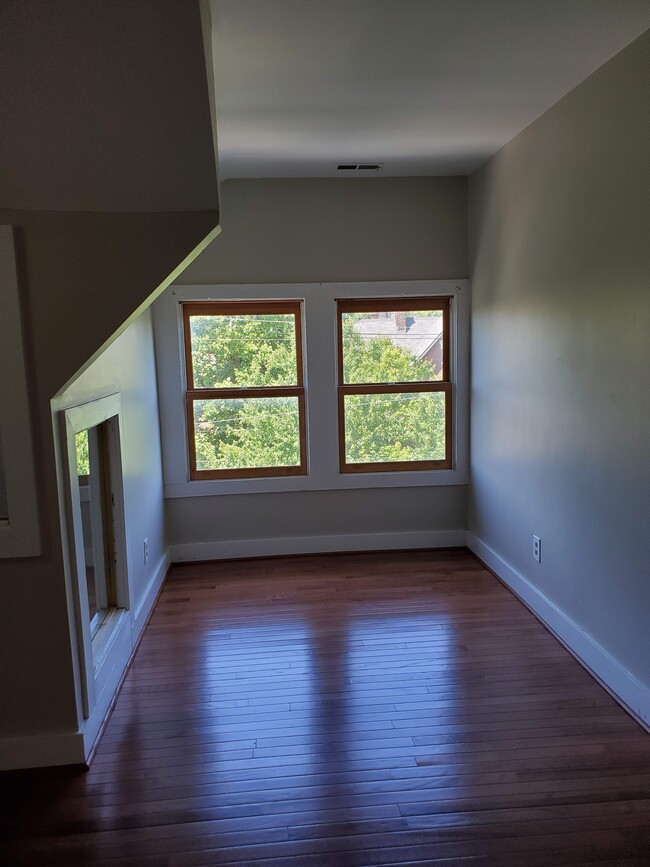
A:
(240, 308)
(382, 305)
(192, 394)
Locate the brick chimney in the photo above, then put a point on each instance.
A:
(400, 320)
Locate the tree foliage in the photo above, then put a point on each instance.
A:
(389, 427)
(81, 451)
(247, 351)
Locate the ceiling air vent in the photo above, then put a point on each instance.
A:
(359, 167)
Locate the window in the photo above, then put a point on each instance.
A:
(245, 391)
(92, 448)
(394, 384)
(97, 561)
(315, 464)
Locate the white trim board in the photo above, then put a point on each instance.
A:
(73, 748)
(241, 548)
(111, 676)
(42, 750)
(146, 605)
(95, 663)
(623, 686)
(133, 626)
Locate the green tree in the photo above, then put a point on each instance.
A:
(245, 351)
(389, 427)
(255, 432)
(81, 450)
(249, 351)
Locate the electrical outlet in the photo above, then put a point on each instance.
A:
(537, 549)
(146, 551)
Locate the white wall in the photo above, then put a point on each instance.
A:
(311, 231)
(128, 368)
(561, 352)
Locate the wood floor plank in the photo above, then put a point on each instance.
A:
(348, 710)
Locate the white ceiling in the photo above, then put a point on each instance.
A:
(426, 87)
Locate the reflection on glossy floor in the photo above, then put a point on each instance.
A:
(348, 710)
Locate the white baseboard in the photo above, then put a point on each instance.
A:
(608, 671)
(43, 750)
(122, 653)
(71, 748)
(145, 605)
(106, 684)
(65, 748)
(316, 545)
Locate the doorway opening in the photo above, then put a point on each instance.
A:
(98, 539)
(93, 464)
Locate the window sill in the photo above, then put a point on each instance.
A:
(342, 482)
(105, 636)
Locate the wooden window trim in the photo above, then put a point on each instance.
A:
(248, 308)
(402, 302)
(382, 305)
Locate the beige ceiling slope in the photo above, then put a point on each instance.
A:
(107, 163)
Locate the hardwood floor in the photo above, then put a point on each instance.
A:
(346, 710)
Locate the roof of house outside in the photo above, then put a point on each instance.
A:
(420, 335)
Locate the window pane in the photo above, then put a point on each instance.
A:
(394, 427)
(81, 450)
(83, 472)
(246, 433)
(397, 346)
(91, 479)
(244, 351)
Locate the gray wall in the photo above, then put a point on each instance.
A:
(277, 231)
(128, 367)
(80, 277)
(3, 490)
(327, 231)
(105, 106)
(561, 354)
(105, 109)
(316, 513)
(36, 674)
